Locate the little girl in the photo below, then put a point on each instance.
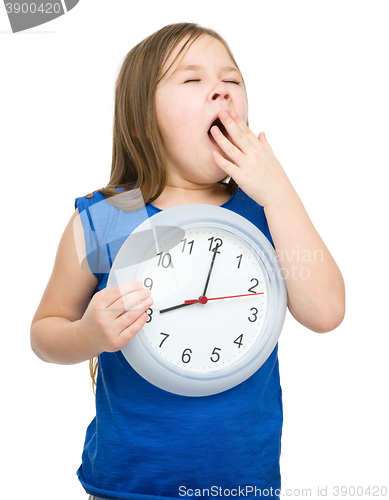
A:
(181, 136)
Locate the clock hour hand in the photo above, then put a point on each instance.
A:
(175, 307)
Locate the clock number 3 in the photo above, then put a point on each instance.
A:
(254, 312)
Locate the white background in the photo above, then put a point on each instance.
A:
(317, 78)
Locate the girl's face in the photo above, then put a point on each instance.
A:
(188, 99)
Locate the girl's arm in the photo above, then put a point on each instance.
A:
(68, 327)
(314, 283)
(316, 295)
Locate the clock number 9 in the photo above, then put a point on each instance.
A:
(149, 283)
(185, 356)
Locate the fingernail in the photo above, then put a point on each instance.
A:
(224, 115)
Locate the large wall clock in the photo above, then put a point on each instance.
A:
(219, 298)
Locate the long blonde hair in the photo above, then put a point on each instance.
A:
(138, 155)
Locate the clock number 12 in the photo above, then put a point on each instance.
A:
(218, 243)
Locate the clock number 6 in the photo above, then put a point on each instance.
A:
(214, 353)
(185, 356)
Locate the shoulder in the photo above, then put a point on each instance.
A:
(88, 200)
(92, 198)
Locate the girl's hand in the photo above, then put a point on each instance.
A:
(106, 322)
(251, 161)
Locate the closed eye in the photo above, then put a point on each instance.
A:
(225, 81)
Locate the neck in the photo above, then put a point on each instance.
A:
(214, 194)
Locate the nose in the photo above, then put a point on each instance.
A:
(220, 92)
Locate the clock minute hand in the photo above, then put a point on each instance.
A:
(210, 271)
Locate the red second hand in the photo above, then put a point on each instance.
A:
(204, 299)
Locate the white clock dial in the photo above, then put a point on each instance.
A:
(219, 299)
(213, 333)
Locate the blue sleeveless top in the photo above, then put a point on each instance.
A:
(149, 444)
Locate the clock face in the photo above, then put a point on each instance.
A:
(223, 280)
(219, 299)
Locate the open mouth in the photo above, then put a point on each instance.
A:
(221, 127)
